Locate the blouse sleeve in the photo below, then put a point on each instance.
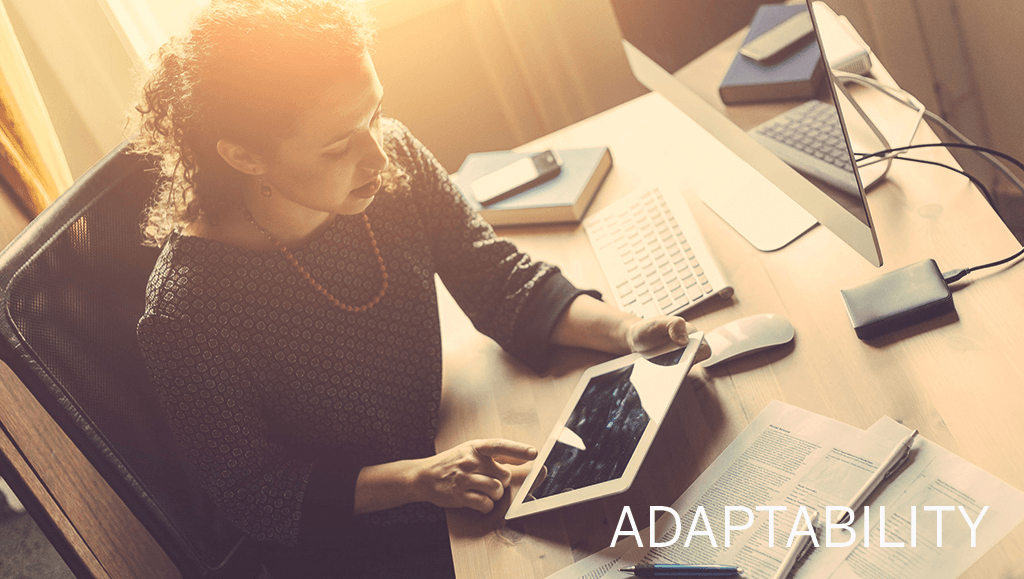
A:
(214, 411)
(508, 296)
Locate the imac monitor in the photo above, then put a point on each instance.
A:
(841, 207)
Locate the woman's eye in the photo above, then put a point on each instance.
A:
(340, 152)
(337, 153)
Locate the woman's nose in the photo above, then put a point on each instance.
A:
(375, 158)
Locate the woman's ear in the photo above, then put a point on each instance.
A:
(240, 158)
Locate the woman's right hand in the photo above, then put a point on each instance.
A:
(473, 474)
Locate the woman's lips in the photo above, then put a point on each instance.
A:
(368, 190)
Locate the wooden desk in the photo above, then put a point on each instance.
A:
(957, 379)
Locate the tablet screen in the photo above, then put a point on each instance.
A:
(605, 430)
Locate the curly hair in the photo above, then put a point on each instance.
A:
(243, 72)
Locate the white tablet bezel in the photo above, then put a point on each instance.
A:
(519, 508)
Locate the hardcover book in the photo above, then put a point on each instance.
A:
(564, 199)
(796, 76)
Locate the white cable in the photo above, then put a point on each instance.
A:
(907, 100)
(913, 103)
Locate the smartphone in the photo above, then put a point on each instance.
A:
(517, 177)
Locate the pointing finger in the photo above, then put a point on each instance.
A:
(494, 447)
(509, 460)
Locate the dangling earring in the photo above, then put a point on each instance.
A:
(265, 189)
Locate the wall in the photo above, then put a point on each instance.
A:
(992, 45)
(958, 58)
(480, 75)
(143, 25)
(470, 75)
(84, 73)
(465, 75)
(673, 33)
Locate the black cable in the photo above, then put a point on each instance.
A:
(991, 200)
(956, 274)
(963, 139)
(946, 145)
(977, 182)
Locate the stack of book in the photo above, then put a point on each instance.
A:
(798, 72)
(564, 199)
(794, 76)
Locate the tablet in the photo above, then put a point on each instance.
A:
(605, 430)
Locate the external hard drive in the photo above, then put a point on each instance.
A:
(898, 299)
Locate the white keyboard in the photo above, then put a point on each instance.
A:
(653, 254)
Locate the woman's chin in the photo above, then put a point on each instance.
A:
(352, 204)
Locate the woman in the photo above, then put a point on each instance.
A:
(291, 327)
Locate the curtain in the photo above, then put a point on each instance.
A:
(31, 160)
(561, 58)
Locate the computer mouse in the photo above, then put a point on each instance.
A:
(747, 335)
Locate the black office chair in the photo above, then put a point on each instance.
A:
(72, 288)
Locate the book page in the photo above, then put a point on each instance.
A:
(787, 457)
(914, 544)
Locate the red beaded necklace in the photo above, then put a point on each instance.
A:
(312, 282)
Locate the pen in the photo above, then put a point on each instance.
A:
(795, 551)
(682, 570)
(891, 463)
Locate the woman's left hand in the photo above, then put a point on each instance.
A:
(648, 334)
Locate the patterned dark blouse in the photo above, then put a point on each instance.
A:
(279, 398)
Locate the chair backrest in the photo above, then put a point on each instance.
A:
(72, 289)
